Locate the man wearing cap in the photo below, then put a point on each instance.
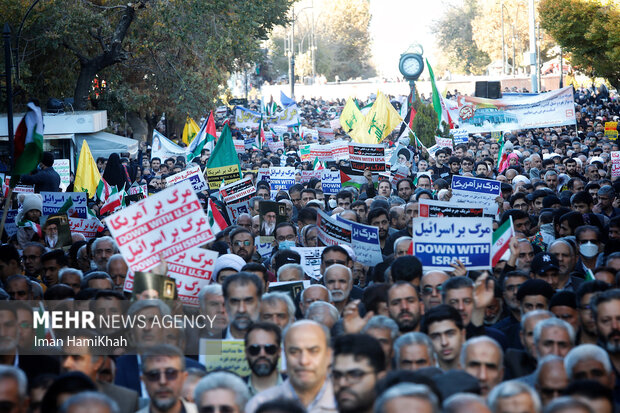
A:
(45, 179)
(546, 267)
(226, 265)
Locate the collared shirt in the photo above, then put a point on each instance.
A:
(253, 390)
(324, 402)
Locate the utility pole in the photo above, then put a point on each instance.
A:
(561, 70)
(533, 71)
(503, 41)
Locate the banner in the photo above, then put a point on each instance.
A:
(228, 174)
(364, 156)
(326, 133)
(170, 222)
(87, 227)
(289, 116)
(439, 242)
(240, 145)
(63, 168)
(234, 210)
(191, 271)
(281, 177)
(306, 176)
(163, 148)
(193, 175)
(330, 181)
(460, 136)
(365, 243)
(611, 130)
(53, 201)
(429, 208)
(615, 164)
(477, 115)
(238, 191)
(443, 142)
(478, 191)
(332, 232)
(310, 260)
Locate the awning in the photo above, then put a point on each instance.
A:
(103, 144)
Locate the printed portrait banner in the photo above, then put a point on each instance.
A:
(364, 156)
(310, 260)
(163, 148)
(429, 208)
(63, 168)
(169, 222)
(477, 115)
(281, 177)
(193, 175)
(192, 270)
(365, 243)
(477, 191)
(330, 181)
(237, 191)
(87, 227)
(332, 232)
(228, 174)
(234, 210)
(439, 242)
(53, 201)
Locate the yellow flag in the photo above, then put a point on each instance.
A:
(190, 130)
(378, 123)
(87, 176)
(350, 116)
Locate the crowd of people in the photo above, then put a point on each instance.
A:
(538, 332)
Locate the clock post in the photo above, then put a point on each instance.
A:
(411, 66)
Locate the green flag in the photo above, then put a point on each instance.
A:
(224, 161)
(436, 96)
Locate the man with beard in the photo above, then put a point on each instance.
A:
(606, 313)
(163, 375)
(405, 306)
(262, 351)
(242, 296)
(565, 253)
(339, 280)
(242, 243)
(358, 365)
(379, 218)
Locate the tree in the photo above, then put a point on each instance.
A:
(455, 39)
(589, 31)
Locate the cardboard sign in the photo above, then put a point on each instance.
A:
(238, 191)
(234, 210)
(477, 191)
(365, 242)
(369, 156)
(169, 222)
(53, 201)
(310, 260)
(330, 181)
(194, 175)
(429, 208)
(439, 242)
(332, 232)
(63, 168)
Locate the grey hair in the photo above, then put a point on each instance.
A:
(212, 289)
(458, 401)
(553, 322)
(414, 338)
(401, 239)
(550, 173)
(318, 307)
(509, 389)
(142, 304)
(562, 241)
(226, 381)
(612, 256)
(481, 339)
(329, 293)
(421, 391)
(89, 398)
(586, 352)
(565, 402)
(10, 372)
(535, 313)
(547, 359)
(112, 259)
(274, 297)
(336, 266)
(383, 323)
(69, 270)
(102, 239)
(294, 266)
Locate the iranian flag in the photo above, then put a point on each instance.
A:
(215, 218)
(261, 140)
(501, 241)
(502, 158)
(28, 142)
(103, 190)
(317, 165)
(114, 202)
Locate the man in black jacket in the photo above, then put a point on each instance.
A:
(45, 178)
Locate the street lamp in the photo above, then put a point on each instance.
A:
(292, 51)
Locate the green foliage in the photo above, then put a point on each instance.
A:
(589, 31)
(425, 122)
(454, 36)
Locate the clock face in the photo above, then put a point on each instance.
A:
(411, 66)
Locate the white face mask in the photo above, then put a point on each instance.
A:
(588, 249)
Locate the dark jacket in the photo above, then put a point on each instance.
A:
(44, 180)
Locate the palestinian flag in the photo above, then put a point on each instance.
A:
(501, 241)
(352, 178)
(103, 190)
(28, 143)
(114, 202)
(215, 218)
(206, 134)
(502, 158)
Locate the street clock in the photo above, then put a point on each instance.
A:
(411, 64)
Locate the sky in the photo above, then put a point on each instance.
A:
(395, 24)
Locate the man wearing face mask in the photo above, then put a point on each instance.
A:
(589, 241)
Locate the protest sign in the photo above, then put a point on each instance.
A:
(239, 145)
(310, 260)
(496, 136)
(429, 208)
(478, 191)
(169, 222)
(234, 210)
(340, 150)
(137, 189)
(292, 288)
(163, 148)
(611, 130)
(615, 164)
(443, 142)
(279, 130)
(263, 175)
(57, 224)
(10, 226)
(365, 243)
(281, 178)
(238, 191)
(216, 175)
(194, 175)
(53, 201)
(264, 248)
(306, 176)
(439, 242)
(271, 214)
(191, 270)
(460, 136)
(312, 133)
(85, 226)
(433, 150)
(63, 168)
(364, 156)
(224, 355)
(332, 232)
(330, 181)
(326, 133)
(322, 152)
(304, 153)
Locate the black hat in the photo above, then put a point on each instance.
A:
(564, 298)
(544, 262)
(535, 287)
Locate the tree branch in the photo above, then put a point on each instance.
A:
(102, 7)
(97, 36)
(83, 59)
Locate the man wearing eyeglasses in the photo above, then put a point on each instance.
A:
(430, 288)
(262, 351)
(163, 375)
(242, 243)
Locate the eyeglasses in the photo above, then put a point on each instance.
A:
(254, 349)
(217, 409)
(247, 243)
(155, 375)
(352, 376)
(428, 289)
(552, 392)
